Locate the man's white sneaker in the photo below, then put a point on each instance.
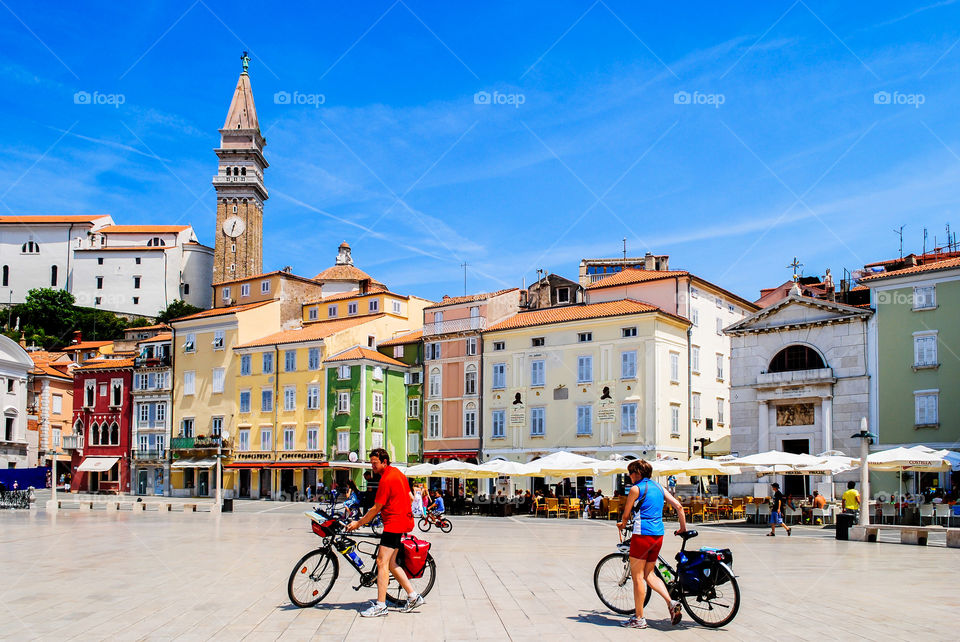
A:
(412, 603)
(375, 611)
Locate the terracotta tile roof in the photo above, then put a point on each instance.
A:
(633, 275)
(917, 269)
(344, 273)
(359, 352)
(577, 313)
(377, 288)
(60, 220)
(44, 368)
(215, 312)
(143, 229)
(106, 364)
(163, 336)
(313, 332)
(410, 337)
(86, 345)
(453, 300)
(158, 326)
(126, 248)
(284, 274)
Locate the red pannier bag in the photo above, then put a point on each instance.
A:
(413, 555)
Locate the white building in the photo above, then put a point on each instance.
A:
(704, 363)
(15, 364)
(799, 384)
(38, 252)
(141, 269)
(127, 269)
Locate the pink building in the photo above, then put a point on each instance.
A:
(452, 370)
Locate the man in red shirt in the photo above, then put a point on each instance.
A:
(393, 500)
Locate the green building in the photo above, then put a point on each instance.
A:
(915, 358)
(366, 406)
(408, 348)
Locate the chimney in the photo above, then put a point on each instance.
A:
(23, 342)
(664, 262)
(77, 337)
(364, 285)
(649, 261)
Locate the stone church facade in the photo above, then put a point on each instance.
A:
(799, 384)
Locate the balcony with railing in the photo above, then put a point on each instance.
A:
(163, 361)
(149, 455)
(795, 377)
(197, 443)
(455, 325)
(71, 442)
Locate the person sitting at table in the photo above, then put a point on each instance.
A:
(595, 503)
(819, 501)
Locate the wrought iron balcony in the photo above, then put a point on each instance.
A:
(455, 325)
(152, 362)
(197, 443)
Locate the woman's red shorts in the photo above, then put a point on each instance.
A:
(646, 547)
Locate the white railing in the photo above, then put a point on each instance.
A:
(455, 325)
(795, 377)
(71, 442)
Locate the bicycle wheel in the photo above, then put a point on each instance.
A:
(313, 577)
(613, 583)
(445, 525)
(377, 527)
(717, 605)
(422, 585)
(424, 524)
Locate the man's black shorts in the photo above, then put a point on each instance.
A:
(390, 540)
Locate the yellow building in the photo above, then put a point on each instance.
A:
(204, 395)
(599, 380)
(280, 393)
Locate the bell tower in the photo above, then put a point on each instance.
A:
(238, 250)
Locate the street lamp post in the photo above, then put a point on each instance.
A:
(219, 500)
(866, 438)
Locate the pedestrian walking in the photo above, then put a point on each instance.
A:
(777, 505)
(645, 504)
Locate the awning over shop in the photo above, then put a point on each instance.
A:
(450, 454)
(718, 448)
(247, 465)
(194, 463)
(296, 464)
(97, 464)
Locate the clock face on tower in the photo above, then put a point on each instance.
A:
(234, 226)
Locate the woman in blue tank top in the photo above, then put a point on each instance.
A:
(645, 504)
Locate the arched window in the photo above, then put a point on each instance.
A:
(796, 357)
(94, 434)
(30, 247)
(53, 276)
(5, 277)
(470, 380)
(78, 431)
(236, 171)
(104, 435)
(115, 434)
(243, 171)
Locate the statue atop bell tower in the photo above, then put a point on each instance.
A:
(238, 250)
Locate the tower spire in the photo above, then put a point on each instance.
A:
(238, 251)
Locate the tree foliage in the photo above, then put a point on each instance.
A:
(48, 318)
(175, 310)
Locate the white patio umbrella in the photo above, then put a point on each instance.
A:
(917, 458)
(454, 468)
(696, 466)
(775, 461)
(612, 467)
(504, 468)
(420, 470)
(563, 464)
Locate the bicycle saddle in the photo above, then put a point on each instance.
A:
(688, 535)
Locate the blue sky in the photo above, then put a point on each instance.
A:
(780, 145)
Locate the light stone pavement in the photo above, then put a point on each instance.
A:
(148, 575)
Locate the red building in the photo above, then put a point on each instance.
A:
(102, 414)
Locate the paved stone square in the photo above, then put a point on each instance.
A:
(150, 575)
